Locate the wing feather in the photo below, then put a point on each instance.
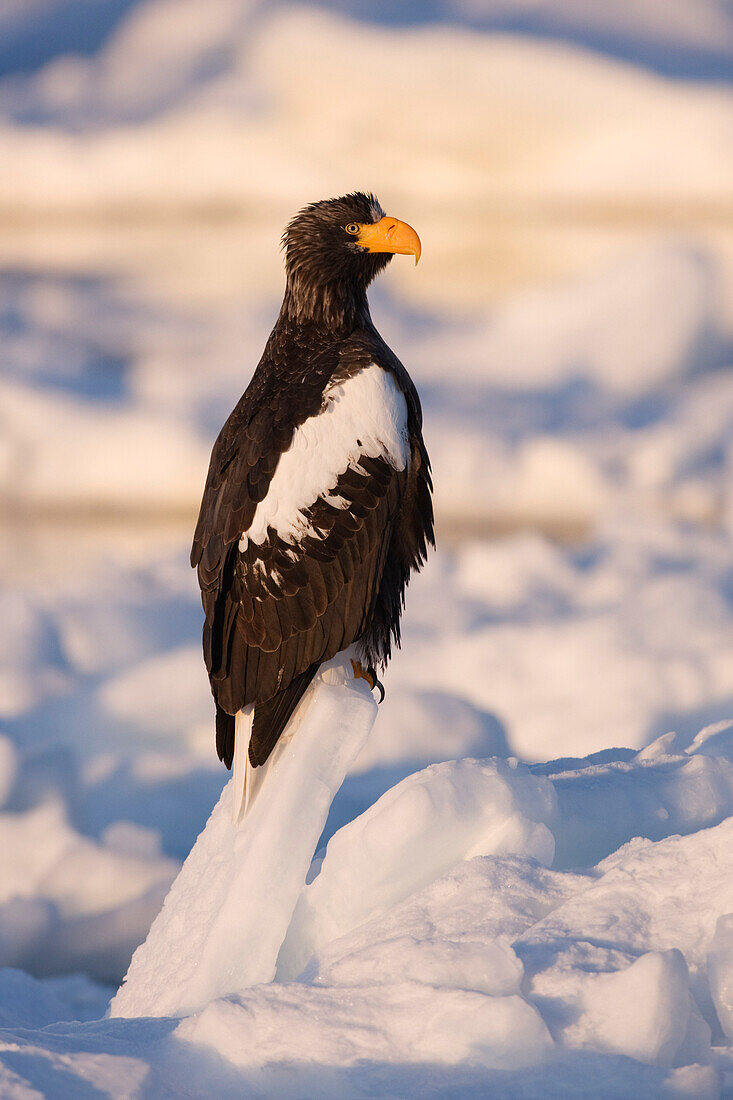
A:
(284, 600)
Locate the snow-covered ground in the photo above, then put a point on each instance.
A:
(524, 885)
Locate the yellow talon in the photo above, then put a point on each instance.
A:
(360, 673)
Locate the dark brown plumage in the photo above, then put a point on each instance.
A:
(278, 608)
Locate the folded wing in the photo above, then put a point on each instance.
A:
(292, 545)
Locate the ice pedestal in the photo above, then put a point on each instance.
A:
(227, 913)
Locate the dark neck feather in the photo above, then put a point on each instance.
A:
(338, 305)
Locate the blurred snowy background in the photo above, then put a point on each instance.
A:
(569, 168)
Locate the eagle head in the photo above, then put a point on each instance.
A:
(333, 250)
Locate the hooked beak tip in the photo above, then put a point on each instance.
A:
(390, 235)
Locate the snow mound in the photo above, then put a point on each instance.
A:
(661, 790)
(211, 144)
(607, 326)
(434, 948)
(28, 1003)
(645, 1012)
(413, 834)
(455, 933)
(95, 455)
(399, 1022)
(621, 965)
(68, 902)
(581, 651)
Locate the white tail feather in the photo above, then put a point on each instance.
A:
(241, 766)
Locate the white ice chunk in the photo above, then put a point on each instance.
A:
(661, 791)
(644, 1012)
(720, 972)
(642, 1009)
(488, 900)
(646, 898)
(692, 1082)
(488, 966)
(412, 835)
(226, 915)
(294, 1023)
(715, 740)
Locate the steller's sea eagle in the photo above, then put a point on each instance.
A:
(317, 504)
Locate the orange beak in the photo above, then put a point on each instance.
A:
(390, 235)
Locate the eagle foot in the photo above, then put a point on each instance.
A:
(370, 675)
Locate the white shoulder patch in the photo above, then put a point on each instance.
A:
(365, 415)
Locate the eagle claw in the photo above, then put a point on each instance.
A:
(370, 675)
(376, 683)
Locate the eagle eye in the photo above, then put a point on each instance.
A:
(353, 229)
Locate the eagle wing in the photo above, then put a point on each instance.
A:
(294, 533)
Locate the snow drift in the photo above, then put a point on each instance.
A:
(432, 929)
